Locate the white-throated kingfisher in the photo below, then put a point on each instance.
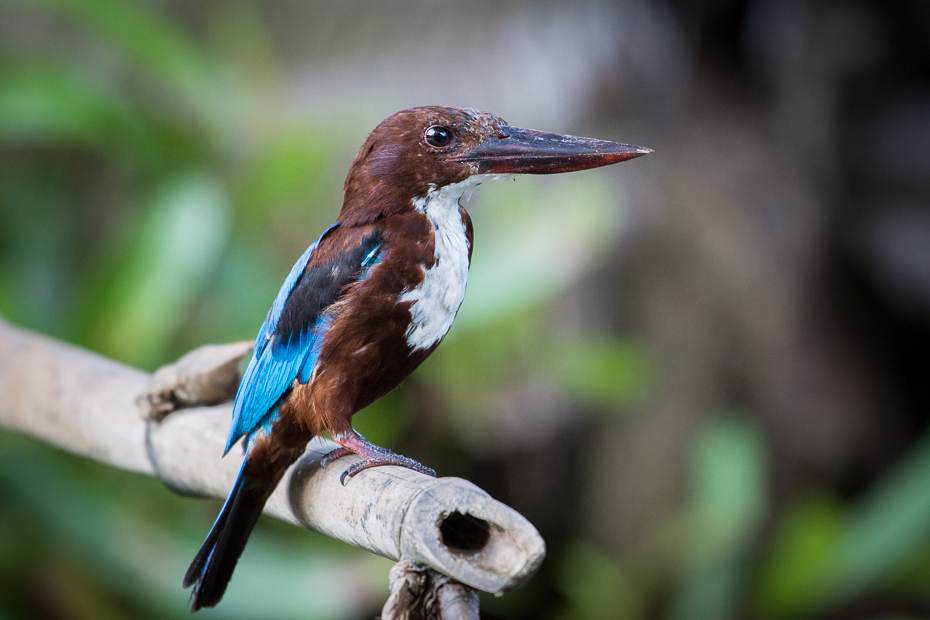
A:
(369, 301)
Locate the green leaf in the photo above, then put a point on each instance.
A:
(886, 527)
(729, 488)
(825, 556)
(169, 265)
(727, 506)
(156, 46)
(58, 105)
(795, 579)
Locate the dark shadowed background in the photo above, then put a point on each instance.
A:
(704, 375)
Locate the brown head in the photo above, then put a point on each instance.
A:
(421, 149)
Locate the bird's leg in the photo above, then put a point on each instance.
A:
(375, 456)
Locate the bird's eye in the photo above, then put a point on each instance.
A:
(438, 136)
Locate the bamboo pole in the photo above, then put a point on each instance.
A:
(95, 407)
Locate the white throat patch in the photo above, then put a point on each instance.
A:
(437, 299)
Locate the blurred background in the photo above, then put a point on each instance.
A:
(704, 375)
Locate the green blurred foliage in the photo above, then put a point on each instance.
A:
(595, 586)
(728, 502)
(826, 553)
(133, 223)
(149, 205)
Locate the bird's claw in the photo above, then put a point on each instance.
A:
(332, 455)
(375, 456)
(388, 459)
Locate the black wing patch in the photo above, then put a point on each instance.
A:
(322, 286)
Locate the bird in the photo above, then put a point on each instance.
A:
(369, 301)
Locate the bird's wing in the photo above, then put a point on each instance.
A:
(290, 339)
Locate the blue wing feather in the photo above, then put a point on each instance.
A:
(266, 379)
(295, 329)
(272, 369)
(274, 313)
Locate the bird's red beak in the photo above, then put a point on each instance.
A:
(525, 151)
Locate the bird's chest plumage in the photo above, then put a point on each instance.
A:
(435, 301)
(388, 322)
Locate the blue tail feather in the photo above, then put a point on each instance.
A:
(213, 565)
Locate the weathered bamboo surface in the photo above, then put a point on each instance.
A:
(90, 405)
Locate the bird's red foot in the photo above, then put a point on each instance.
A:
(375, 456)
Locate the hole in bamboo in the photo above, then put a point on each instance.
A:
(464, 533)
